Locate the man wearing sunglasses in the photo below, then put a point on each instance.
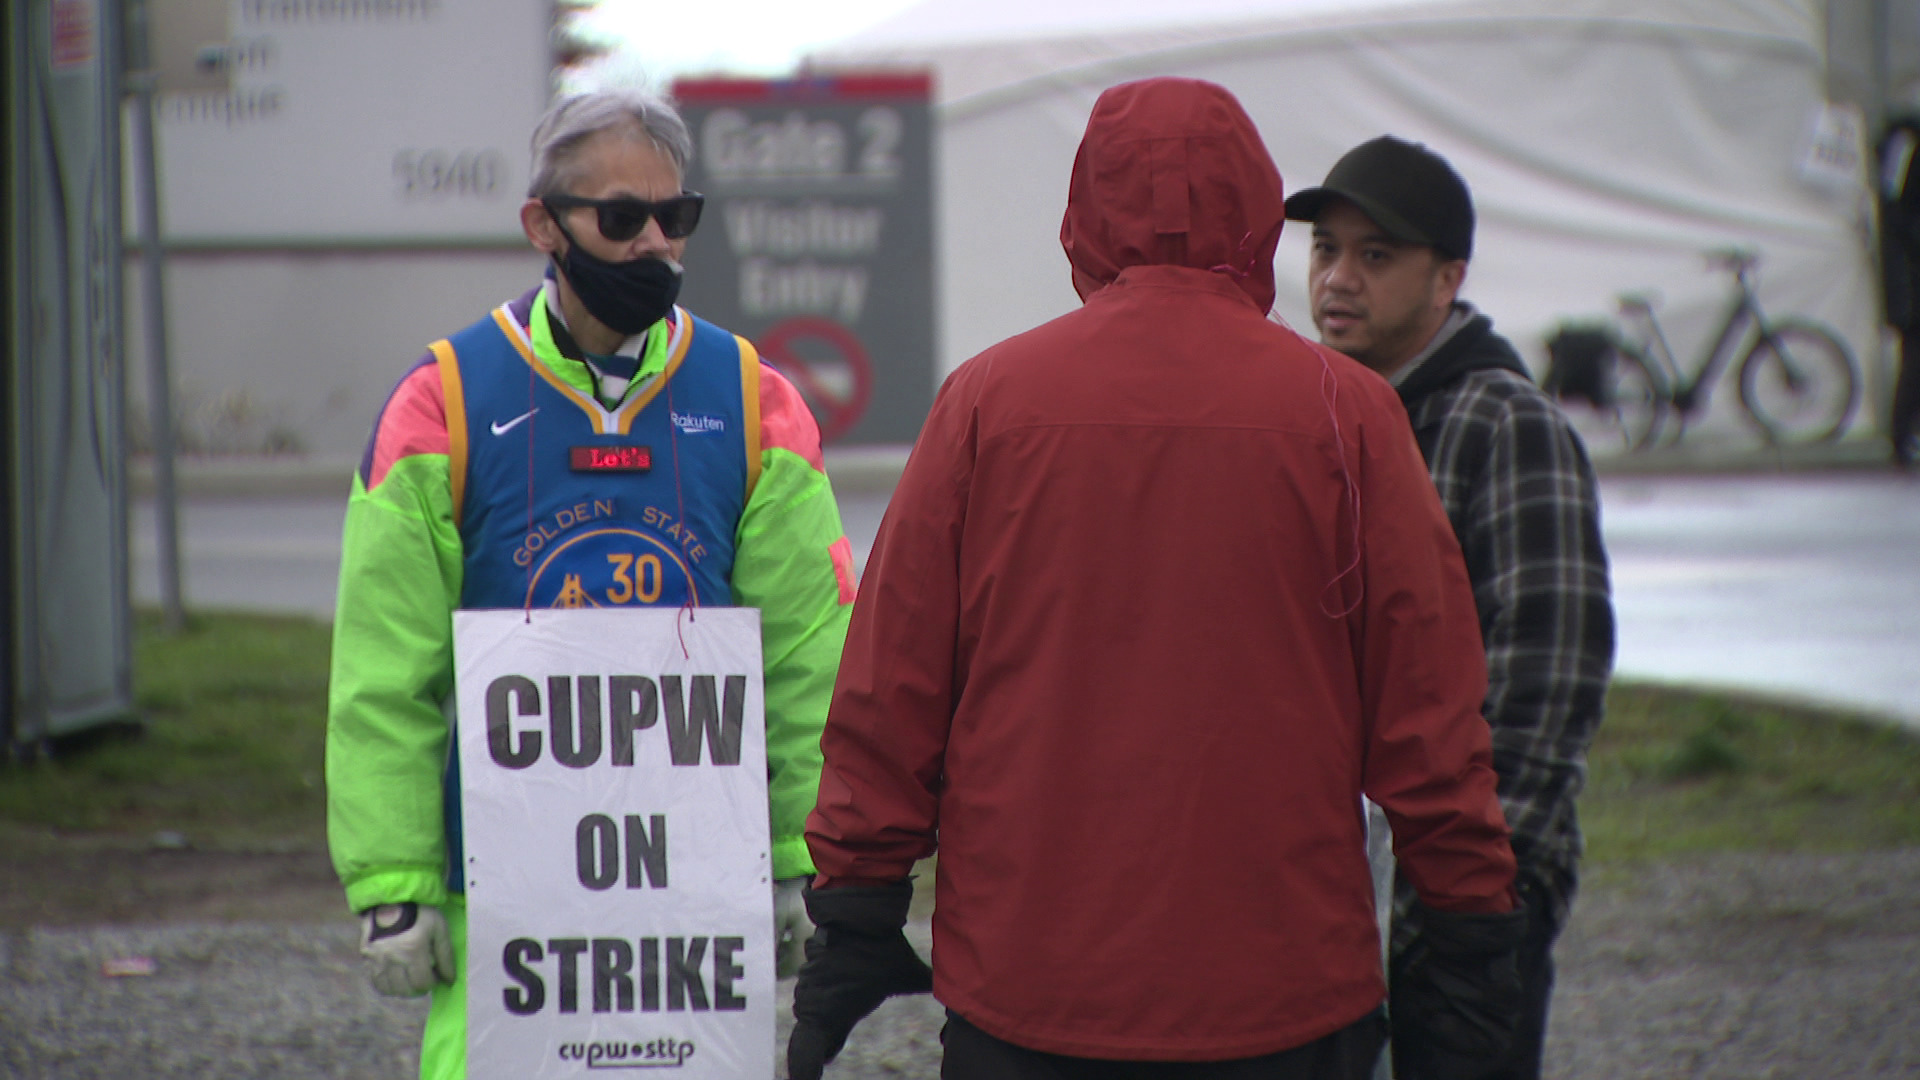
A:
(513, 466)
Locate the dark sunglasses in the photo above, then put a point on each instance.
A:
(621, 219)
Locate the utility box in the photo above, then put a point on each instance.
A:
(65, 628)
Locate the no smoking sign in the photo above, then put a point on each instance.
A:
(828, 365)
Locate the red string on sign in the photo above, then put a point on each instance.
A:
(527, 612)
(680, 504)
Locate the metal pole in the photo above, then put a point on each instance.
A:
(14, 175)
(159, 377)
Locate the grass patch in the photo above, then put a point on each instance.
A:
(1676, 772)
(231, 754)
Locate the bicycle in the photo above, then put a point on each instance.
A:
(1798, 380)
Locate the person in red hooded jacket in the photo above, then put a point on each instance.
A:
(1163, 590)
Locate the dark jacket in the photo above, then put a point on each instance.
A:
(1900, 231)
(1519, 489)
(1163, 588)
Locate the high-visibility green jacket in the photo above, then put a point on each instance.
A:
(400, 581)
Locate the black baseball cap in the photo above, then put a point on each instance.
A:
(1406, 189)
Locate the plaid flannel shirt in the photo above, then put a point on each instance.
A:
(1520, 491)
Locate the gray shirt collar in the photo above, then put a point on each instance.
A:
(1462, 314)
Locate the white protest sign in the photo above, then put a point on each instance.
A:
(614, 795)
(1834, 156)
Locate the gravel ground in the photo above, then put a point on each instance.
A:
(1733, 967)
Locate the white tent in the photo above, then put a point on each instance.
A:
(1608, 144)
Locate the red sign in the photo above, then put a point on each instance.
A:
(610, 458)
(849, 87)
(827, 364)
(73, 34)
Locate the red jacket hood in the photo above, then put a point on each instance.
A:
(1172, 172)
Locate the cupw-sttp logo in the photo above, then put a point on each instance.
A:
(658, 1054)
(696, 424)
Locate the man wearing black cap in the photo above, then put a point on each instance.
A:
(1392, 233)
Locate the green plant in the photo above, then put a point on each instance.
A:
(231, 749)
(1675, 772)
(233, 753)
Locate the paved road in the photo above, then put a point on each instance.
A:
(1801, 585)
(1805, 585)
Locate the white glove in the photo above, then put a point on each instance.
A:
(406, 948)
(791, 927)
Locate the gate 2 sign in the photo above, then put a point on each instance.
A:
(818, 239)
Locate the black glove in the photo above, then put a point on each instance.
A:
(857, 958)
(1454, 996)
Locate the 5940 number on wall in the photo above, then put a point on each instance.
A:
(440, 174)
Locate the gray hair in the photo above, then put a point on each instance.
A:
(558, 136)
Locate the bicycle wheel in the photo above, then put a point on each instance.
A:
(1799, 383)
(1639, 401)
(1625, 410)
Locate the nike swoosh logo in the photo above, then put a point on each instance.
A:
(501, 429)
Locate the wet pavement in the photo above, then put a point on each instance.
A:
(1799, 584)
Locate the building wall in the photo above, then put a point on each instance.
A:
(295, 351)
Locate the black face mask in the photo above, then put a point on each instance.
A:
(627, 297)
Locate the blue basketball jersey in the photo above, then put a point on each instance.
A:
(563, 502)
